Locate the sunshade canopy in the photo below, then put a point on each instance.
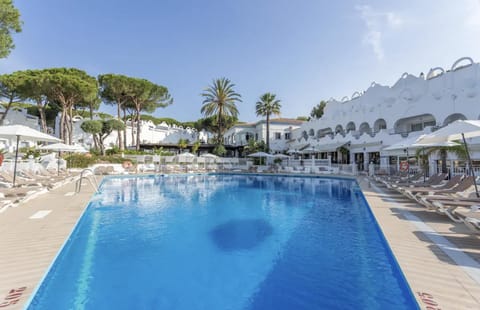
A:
(415, 143)
(209, 155)
(25, 133)
(281, 156)
(453, 131)
(260, 154)
(330, 147)
(62, 147)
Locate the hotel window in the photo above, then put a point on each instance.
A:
(417, 127)
(287, 136)
(278, 136)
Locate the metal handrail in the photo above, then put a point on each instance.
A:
(78, 184)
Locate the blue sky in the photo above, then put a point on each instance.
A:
(303, 51)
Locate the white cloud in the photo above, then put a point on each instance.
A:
(377, 23)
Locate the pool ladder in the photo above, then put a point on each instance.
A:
(94, 183)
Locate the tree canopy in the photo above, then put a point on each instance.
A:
(11, 86)
(113, 91)
(266, 106)
(144, 95)
(67, 87)
(219, 100)
(101, 129)
(9, 23)
(317, 111)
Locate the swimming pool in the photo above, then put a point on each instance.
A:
(225, 242)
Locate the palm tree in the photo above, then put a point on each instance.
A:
(267, 106)
(458, 150)
(219, 100)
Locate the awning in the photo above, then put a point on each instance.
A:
(330, 147)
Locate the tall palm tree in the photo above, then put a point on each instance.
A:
(267, 106)
(219, 100)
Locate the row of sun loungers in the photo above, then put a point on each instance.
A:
(27, 185)
(455, 198)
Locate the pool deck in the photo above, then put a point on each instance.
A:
(428, 246)
(29, 245)
(423, 242)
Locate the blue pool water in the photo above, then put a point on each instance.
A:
(225, 242)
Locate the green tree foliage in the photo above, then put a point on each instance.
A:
(182, 143)
(317, 111)
(9, 23)
(67, 87)
(144, 95)
(101, 129)
(91, 103)
(219, 150)
(34, 88)
(266, 106)
(210, 123)
(255, 146)
(302, 118)
(219, 100)
(114, 89)
(195, 147)
(11, 90)
(423, 154)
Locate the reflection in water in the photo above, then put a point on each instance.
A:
(240, 234)
(157, 189)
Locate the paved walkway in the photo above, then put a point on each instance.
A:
(29, 245)
(423, 242)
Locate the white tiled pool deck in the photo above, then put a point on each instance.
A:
(32, 233)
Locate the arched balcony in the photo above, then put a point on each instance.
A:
(324, 132)
(350, 127)
(305, 135)
(454, 117)
(379, 125)
(339, 130)
(365, 128)
(414, 123)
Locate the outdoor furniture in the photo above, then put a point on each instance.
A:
(411, 192)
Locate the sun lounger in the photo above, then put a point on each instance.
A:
(17, 192)
(19, 181)
(472, 223)
(412, 192)
(449, 208)
(435, 179)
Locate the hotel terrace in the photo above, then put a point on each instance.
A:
(357, 129)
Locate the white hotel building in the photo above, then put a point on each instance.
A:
(356, 129)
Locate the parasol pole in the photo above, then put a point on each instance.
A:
(470, 164)
(58, 163)
(424, 167)
(15, 164)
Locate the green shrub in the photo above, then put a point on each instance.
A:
(29, 151)
(80, 160)
(113, 151)
(112, 159)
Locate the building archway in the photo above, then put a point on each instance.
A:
(453, 117)
(365, 128)
(350, 127)
(379, 125)
(339, 130)
(414, 123)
